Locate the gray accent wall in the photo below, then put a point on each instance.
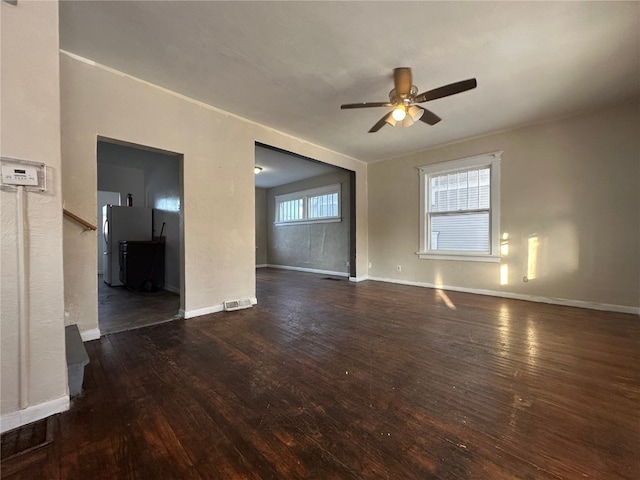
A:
(261, 226)
(316, 246)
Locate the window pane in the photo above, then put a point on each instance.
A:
(467, 190)
(313, 207)
(434, 188)
(333, 204)
(462, 191)
(290, 210)
(441, 204)
(473, 189)
(465, 232)
(452, 192)
(323, 206)
(485, 188)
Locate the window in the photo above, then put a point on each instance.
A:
(309, 206)
(460, 209)
(291, 210)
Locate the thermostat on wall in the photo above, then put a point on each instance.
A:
(23, 173)
(19, 175)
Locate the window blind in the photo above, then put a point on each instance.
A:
(459, 210)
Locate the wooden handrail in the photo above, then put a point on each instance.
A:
(81, 221)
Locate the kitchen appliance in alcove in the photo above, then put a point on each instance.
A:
(120, 224)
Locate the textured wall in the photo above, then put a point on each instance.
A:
(30, 110)
(218, 179)
(261, 226)
(318, 246)
(572, 184)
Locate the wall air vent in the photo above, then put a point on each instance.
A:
(232, 305)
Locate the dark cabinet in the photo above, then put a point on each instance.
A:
(142, 265)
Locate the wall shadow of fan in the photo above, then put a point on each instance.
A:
(404, 99)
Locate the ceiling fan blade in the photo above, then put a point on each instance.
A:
(402, 80)
(429, 117)
(365, 105)
(381, 123)
(447, 90)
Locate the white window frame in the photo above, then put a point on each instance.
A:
(304, 195)
(491, 160)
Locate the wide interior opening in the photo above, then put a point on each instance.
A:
(140, 234)
(305, 214)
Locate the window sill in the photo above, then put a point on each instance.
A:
(460, 257)
(307, 222)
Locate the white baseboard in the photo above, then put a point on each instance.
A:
(88, 335)
(198, 312)
(518, 296)
(12, 420)
(359, 279)
(309, 270)
(172, 288)
(212, 309)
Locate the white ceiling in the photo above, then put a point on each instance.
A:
(281, 168)
(290, 65)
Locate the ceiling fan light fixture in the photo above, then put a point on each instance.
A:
(415, 113)
(404, 97)
(407, 122)
(399, 113)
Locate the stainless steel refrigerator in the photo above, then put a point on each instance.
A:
(122, 223)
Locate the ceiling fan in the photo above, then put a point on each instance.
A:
(404, 99)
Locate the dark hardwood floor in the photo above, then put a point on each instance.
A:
(120, 309)
(338, 380)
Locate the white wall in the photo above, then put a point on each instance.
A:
(30, 111)
(218, 181)
(572, 183)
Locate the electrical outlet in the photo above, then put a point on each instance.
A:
(347, 263)
(399, 268)
(369, 264)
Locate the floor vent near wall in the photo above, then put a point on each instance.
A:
(23, 440)
(232, 305)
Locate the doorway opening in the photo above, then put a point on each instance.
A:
(319, 235)
(140, 236)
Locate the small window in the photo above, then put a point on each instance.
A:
(460, 209)
(291, 210)
(323, 206)
(309, 206)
